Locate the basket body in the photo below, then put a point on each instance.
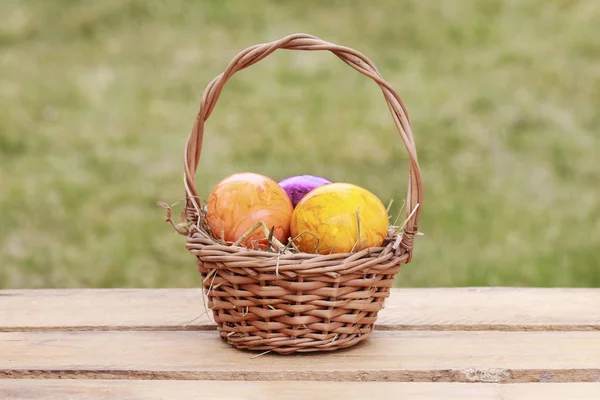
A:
(294, 302)
(285, 301)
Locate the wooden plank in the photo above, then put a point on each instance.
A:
(46, 389)
(386, 356)
(101, 309)
(406, 309)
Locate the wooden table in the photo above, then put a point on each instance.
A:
(472, 343)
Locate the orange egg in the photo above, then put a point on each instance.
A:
(325, 219)
(241, 200)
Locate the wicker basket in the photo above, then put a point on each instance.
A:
(297, 302)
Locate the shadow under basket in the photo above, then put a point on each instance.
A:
(288, 302)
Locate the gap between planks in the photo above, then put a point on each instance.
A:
(378, 327)
(466, 375)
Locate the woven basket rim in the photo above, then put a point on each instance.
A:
(369, 260)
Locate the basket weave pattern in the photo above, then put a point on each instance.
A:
(297, 302)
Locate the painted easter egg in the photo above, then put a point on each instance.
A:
(325, 220)
(241, 200)
(298, 186)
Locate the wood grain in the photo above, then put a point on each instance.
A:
(407, 309)
(46, 389)
(387, 356)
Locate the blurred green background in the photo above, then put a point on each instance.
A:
(98, 98)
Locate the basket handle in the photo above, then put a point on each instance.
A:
(353, 58)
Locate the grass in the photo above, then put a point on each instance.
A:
(97, 100)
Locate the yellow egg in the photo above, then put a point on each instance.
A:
(326, 219)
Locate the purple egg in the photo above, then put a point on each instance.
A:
(296, 187)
